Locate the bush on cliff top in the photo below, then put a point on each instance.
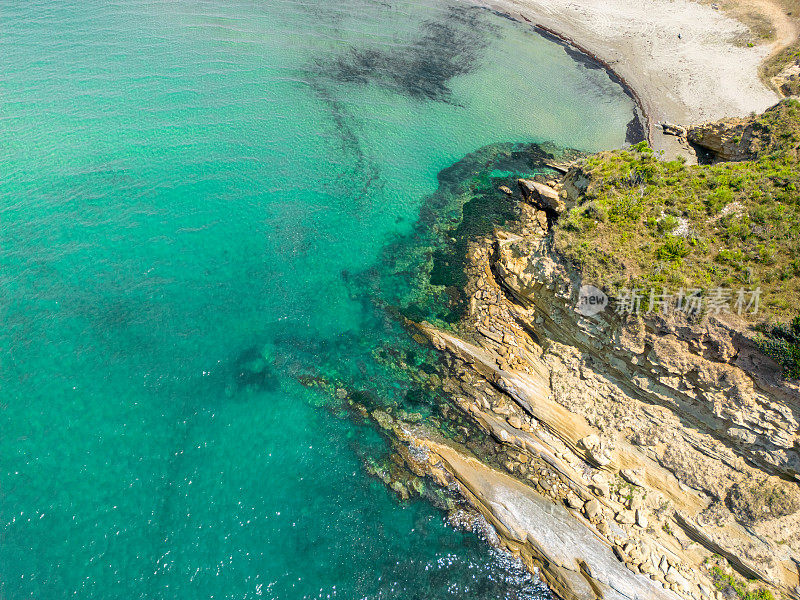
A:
(782, 343)
(648, 223)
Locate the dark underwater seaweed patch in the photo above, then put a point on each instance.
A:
(364, 169)
(423, 68)
(252, 369)
(635, 131)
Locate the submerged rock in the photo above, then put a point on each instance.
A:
(254, 368)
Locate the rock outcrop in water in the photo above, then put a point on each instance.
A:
(632, 457)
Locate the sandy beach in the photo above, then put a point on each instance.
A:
(687, 62)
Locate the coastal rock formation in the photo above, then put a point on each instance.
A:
(730, 140)
(788, 79)
(541, 195)
(633, 457)
(576, 563)
(735, 139)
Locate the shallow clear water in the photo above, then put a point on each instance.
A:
(188, 185)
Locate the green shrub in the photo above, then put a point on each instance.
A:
(622, 230)
(673, 250)
(782, 344)
(724, 582)
(667, 225)
(625, 208)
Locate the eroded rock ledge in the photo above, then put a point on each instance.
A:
(635, 458)
(574, 561)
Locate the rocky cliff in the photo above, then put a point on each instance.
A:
(748, 138)
(625, 456)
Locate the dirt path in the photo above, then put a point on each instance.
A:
(787, 29)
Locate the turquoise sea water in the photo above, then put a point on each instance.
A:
(189, 188)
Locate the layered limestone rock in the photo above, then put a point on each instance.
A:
(665, 446)
(709, 372)
(576, 562)
(542, 196)
(734, 139)
(731, 140)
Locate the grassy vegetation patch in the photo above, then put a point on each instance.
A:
(726, 583)
(782, 343)
(777, 63)
(647, 223)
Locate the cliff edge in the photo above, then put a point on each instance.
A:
(633, 444)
